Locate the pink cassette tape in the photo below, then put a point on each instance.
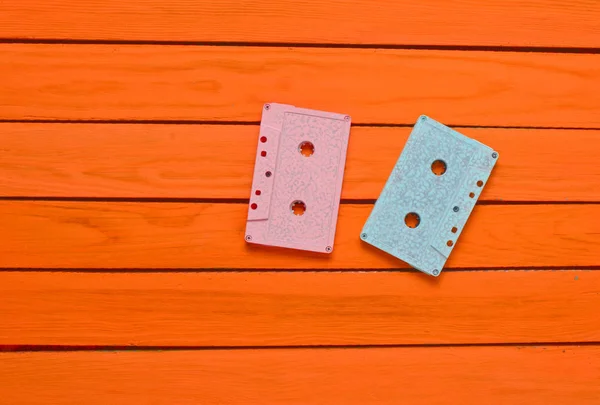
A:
(298, 177)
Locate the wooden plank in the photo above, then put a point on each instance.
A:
(178, 161)
(129, 82)
(289, 309)
(465, 375)
(551, 23)
(186, 235)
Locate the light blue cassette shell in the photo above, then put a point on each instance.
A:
(442, 203)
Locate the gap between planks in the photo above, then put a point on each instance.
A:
(248, 123)
(427, 47)
(151, 349)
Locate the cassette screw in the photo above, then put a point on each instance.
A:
(494, 155)
(248, 238)
(267, 106)
(363, 235)
(456, 209)
(328, 249)
(347, 118)
(436, 272)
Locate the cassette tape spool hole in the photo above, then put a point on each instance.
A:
(412, 220)
(306, 149)
(298, 207)
(438, 167)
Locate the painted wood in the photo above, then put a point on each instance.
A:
(292, 308)
(159, 274)
(465, 375)
(204, 83)
(217, 161)
(550, 23)
(79, 235)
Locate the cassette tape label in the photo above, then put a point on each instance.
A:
(438, 177)
(305, 158)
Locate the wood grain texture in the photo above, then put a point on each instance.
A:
(289, 309)
(128, 82)
(185, 161)
(428, 376)
(554, 23)
(187, 235)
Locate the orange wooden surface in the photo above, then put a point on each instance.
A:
(127, 138)
(135, 235)
(462, 375)
(285, 309)
(551, 23)
(143, 82)
(176, 161)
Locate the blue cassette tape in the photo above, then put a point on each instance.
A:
(429, 196)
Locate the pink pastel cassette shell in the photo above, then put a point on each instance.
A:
(284, 175)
